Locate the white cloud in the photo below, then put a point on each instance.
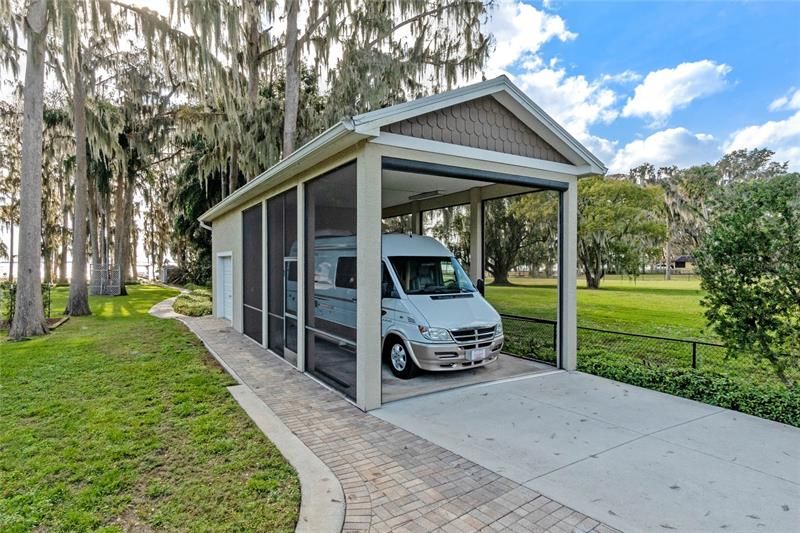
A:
(603, 148)
(789, 101)
(674, 146)
(572, 100)
(575, 102)
(520, 30)
(627, 76)
(780, 136)
(666, 90)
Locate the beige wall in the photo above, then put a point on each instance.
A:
(227, 237)
(227, 230)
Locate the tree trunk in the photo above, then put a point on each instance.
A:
(78, 303)
(120, 232)
(62, 258)
(668, 253)
(11, 252)
(500, 277)
(292, 90)
(253, 50)
(47, 256)
(129, 230)
(233, 170)
(29, 311)
(94, 224)
(548, 269)
(152, 258)
(134, 273)
(106, 231)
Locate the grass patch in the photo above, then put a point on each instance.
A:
(194, 303)
(121, 419)
(648, 305)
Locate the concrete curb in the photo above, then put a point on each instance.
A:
(322, 505)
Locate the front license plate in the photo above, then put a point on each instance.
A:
(477, 354)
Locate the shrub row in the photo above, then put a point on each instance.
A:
(773, 402)
(195, 303)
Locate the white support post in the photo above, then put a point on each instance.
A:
(301, 277)
(264, 277)
(476, 235)
(568, 317)
(416, 218)
(368, 265)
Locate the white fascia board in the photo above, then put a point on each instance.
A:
(479, 154)
(328, 143)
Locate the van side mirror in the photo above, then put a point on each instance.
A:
(480, 286)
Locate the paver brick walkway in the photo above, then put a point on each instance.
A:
(392, 479)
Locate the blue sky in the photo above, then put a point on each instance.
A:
(665, 82)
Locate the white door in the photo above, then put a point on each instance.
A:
(226, 297)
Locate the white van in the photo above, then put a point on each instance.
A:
(433, 317)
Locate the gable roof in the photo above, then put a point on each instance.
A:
(350, 131)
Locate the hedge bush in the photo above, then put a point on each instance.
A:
(194, 303)
(773, 402)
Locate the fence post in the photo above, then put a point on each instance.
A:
(694, 355)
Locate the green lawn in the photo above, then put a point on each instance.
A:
(121, 421)
(647, 305)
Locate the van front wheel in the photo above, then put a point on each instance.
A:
(400, 360)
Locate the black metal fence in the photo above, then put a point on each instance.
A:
(532, 338)
(536, 338)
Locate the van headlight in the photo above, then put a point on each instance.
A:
(435, 334)
(499, 329)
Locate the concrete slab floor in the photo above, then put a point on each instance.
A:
(639, 459)
(505, 367)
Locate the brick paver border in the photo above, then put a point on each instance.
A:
(393, 480)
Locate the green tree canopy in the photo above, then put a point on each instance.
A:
(749, 262)
(619, 226)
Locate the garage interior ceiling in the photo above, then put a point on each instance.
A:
(399, 185)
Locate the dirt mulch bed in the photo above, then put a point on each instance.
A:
(52, 323)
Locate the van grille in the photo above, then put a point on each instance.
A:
(473, 335)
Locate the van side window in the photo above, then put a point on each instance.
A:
(346, 273)
(388, 289)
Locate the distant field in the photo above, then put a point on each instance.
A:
(648, 304)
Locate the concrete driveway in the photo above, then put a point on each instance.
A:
(637, 459)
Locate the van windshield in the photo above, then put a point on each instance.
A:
(431, 275)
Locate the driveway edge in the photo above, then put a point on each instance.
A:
(322, 505)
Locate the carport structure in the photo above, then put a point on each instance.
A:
(296, 251)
